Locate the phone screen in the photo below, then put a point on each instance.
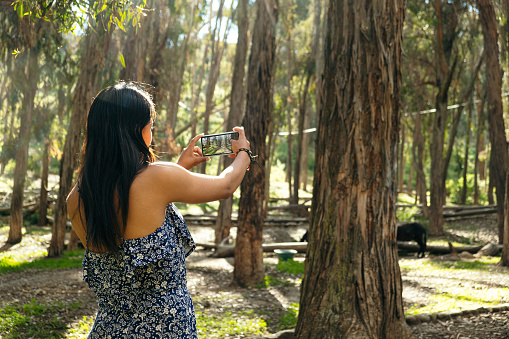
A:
(218, 144)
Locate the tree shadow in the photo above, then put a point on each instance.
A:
(6, 247)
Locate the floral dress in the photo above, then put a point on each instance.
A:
(142, 288)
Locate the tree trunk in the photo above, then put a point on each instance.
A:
(300, 138)
(463, 198)
(318, 53)
(401, 166)
(179, 70)
(317, 59)
(196, 98)
(31, 78)
(224, 214)
(478, 165)
(216, 54)
(249, 267)
(482, 118)
(135, 51)
(444, 74)
(453, 130)
(287, 110)
(273, 131)
(352, 284)
(160, 33)
(499, 158)
(505, 249)
(43, 205)
(491, 186)
(289, 166)
(95, 46)
(436, 221)
(421, 176)
(409, 187)
(305, 151)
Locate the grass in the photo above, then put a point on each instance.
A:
(81, 330)
(463, 293)
(37, 260)
(18, 321)
(242, 323)
(289, 319)
(291, 267)
(270, 281)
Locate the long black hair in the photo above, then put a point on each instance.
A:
(113, 153)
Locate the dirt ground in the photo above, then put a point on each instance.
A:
(212, 288)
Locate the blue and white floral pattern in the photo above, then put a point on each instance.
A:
(142, 288)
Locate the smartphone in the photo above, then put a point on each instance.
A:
(218, 144)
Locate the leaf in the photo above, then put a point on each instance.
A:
(20, 9)
(119, 24)
(122, 61)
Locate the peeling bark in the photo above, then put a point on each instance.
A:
(249, 267)
(352, 284)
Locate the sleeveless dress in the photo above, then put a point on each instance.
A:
(142, 288)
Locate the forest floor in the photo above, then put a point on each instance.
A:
(60, 300)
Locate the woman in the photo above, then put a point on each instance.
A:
(122, 210)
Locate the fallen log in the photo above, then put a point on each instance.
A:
(51, 220)
(270, 221)
(31, 206)
(223, 250)
(405, 246)
(470, 212)
(299, 209)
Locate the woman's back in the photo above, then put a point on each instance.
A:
(142, 288)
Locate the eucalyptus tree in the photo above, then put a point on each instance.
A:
(185, 25)
(352, 284)
(446, 66)
(223, 221)
(94, 48)
(499, 158)
(249, 267)
(102, 19)
(217, 47)
(298, 38)
(442, 45)
(30, 39)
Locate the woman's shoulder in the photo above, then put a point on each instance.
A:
(72, 199)
(160, 171)
(73, 210)
(156, 177)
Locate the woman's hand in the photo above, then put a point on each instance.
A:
(191, 155)
(241, 143)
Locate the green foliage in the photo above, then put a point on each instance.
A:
(289, 319)
(271, 281)
(82, 330)
(486, 264)
(291, 266)
(406, 214)
(17, 322)
(462, 296)
(228, 324)
(32, 218)
(69, 16)
(454, 187)
(21, 263)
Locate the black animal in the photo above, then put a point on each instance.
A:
(413, 231)
(304, 237)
